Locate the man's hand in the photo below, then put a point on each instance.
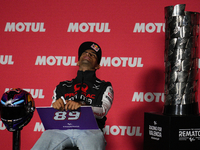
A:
(72, 105)
(59, 104)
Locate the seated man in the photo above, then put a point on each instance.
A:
(84, 89)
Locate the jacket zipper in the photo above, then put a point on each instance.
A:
(80, 91)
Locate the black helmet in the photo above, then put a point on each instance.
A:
(17, 108)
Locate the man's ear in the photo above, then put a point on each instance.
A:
(97, 67)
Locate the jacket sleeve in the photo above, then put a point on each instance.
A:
(107, 99)
(57, 93)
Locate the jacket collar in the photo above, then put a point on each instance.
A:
(86, 75)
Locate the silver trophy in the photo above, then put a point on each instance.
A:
(181, 61)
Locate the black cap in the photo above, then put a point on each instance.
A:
(90, 45)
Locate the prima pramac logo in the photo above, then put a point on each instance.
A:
(83, 87)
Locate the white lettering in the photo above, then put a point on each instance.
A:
(129, 131)
(148, 97)
(149, 27)
(139, 28)
(55, 60)
(10, 27)
(159, 25)
(73, 27)
(138, 133)
(106, 130)
(106, 27)
(20, 27)
(73, 61)
(155, 131)
(59, 58)
(189, 133)
(132, 64)
(122, 130)
(41, 60)
(116, 62)
(26, 26)
(6, 59)
(42, 29)
(139, 62)
(114, 130)
(138, 97)
(199, 64)
(35, 28)
(105, 61)
(83, 27)
(36, 93)
(66, 63)
(2, 126)
(99, 28)
(51, 60)
(39, 127)
(91, 27)
(124, 61)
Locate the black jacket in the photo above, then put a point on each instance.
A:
(85, 87)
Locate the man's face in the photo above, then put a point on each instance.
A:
(88, 60)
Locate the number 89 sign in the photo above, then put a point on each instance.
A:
(63, 115)
(82, 118)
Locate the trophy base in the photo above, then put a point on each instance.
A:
(162, 132)
(188, 109)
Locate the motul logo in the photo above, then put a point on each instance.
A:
(105, 61)
(88, 27)
(25, 27)
(122, 130)
(149, 27)
(148, 97)
(56, 60)
(6, 60)
(121, 62)
(36, 93)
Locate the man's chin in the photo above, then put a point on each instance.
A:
(85, 61)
